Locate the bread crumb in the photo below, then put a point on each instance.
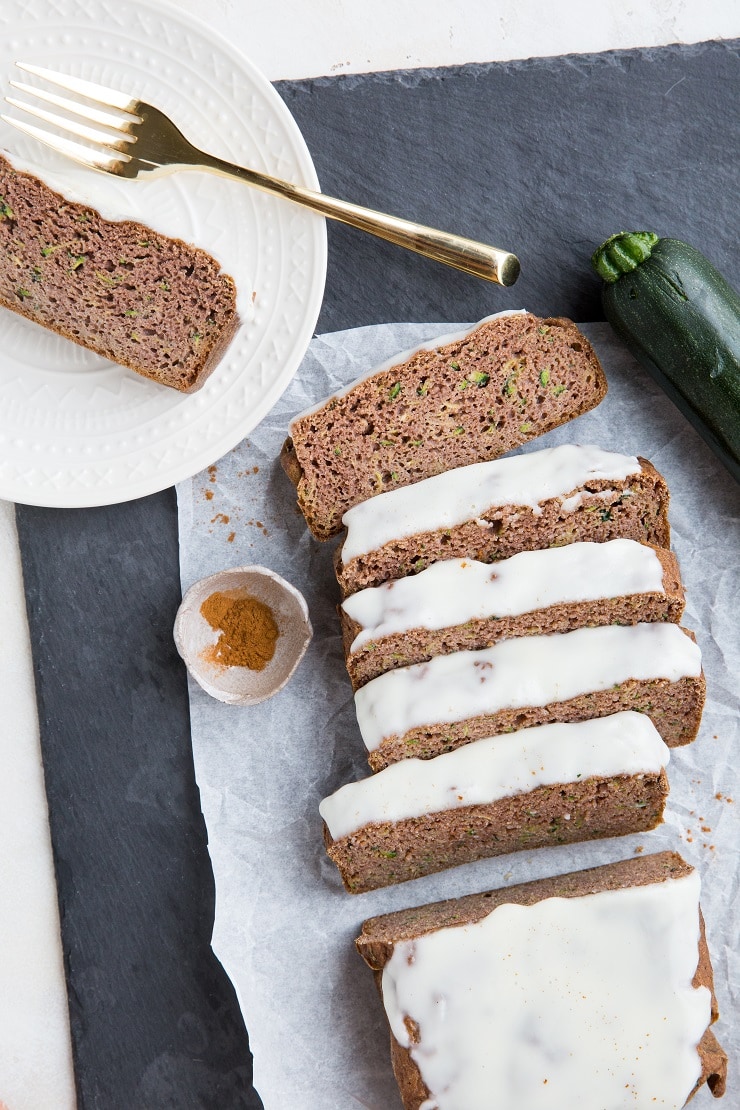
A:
(220, 518)
(212, 472)
(231, 536)
(208, 494)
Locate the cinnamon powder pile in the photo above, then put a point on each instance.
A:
(247, 630)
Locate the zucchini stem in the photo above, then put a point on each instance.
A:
(622, 253)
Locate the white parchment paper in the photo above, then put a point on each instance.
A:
(284, 927)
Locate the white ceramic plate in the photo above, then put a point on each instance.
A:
(77, 430)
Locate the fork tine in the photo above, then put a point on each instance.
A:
(110, 97)
(95, 160)
(94, 115)
(81, 130)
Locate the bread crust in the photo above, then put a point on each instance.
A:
(379, 935)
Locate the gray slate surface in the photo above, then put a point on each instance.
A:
(545, 157)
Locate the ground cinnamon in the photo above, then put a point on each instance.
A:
(247, 630)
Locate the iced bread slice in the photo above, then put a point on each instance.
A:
(462, 604)
(433, 707)
(489, 511)
(593, 988)
(547, 785)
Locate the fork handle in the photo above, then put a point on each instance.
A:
(454, 250)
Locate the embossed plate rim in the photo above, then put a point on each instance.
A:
(173, 448)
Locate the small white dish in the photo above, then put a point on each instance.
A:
(194, 636)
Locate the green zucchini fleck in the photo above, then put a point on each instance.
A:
(480, 378)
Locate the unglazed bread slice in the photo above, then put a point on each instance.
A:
(437, 706)
(461, 604)
(459, 399)
(154, 304)
(489, 511)
(552, 784)
(397, 940)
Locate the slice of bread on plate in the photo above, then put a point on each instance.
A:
(154, 304)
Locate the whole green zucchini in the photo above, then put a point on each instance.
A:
(681, 320)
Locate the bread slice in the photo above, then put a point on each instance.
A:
(459, 399)
(434, 707)
(490, 511)
(538, 1038)
(461, 604)
(552, 784)
(157, 305)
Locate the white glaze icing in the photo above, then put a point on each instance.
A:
(404, 356)
(518, 673)
(454, 591)
(115, 198)
(467, 492)
(582, 1001)
(499, 767)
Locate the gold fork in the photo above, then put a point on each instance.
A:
(141, 140)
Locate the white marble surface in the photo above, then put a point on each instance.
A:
(35, 1055)
(287, 39)
(292, 38)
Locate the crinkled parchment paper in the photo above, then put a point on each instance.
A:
(284, 926)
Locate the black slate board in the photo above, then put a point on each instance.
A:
(544, 157)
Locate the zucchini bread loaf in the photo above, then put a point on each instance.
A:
(459, 399)
(551, 784)
(593, 988)
(488, 511)
(461, 604)
(154, 304)
(433, 707)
